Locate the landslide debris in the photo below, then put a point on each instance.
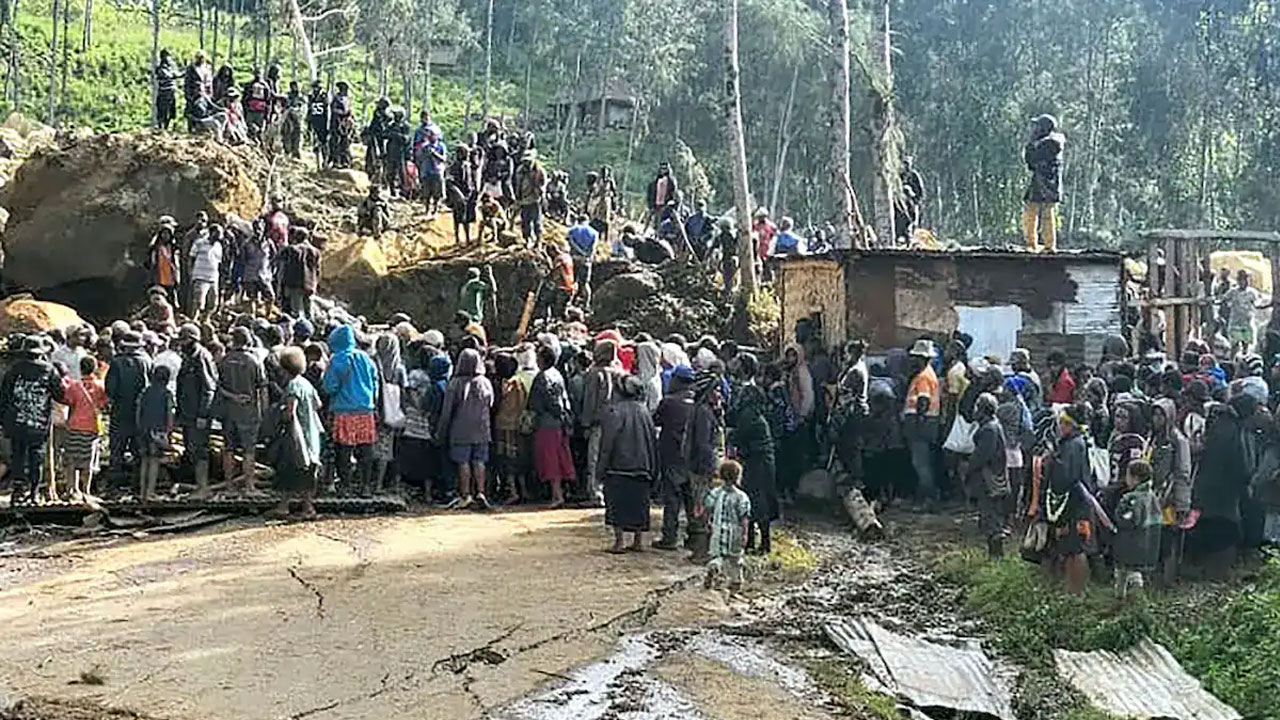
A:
(82, 210)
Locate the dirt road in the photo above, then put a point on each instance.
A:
(441, 616)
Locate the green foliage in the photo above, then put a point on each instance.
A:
(844, 684)
(1229, 644)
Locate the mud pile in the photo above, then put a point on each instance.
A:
(81, 212)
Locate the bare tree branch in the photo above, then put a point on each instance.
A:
(332, 50)
(350, 10)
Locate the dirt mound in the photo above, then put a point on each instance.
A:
(683, 299)
(82, 212)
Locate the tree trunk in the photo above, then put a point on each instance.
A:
(66, 47)
(231, 31)
(15, 58)
(528, 72)
(466, 103)
(631, 146)
(293, 57)
(266, 30)
(257, 31)
(488, 63)
(301, 41)
(735, 134)
(52, 116)
(155, 60)
(848, 232)
(87, 38)
(213, 53)
(784, 141)
(571, 118)
(199, 20)
(430, 37)
(883, 161)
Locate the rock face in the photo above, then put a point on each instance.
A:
(82, 212)
(623, 291)
(21, 313)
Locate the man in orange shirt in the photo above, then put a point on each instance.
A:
(921, 420)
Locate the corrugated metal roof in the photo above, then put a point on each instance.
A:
(1143, 682)
(928, 675)
(1088, 255)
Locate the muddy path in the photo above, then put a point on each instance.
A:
(514, 616)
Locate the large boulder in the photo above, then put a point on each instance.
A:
(622, 291)
(82, 212)
(22, 313)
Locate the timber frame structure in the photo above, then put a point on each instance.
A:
(1185, 280)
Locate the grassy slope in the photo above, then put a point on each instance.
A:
(1229, 638)
(108, 87)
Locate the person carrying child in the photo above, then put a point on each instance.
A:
(1136, 549)
(729, 510)
(155, 424)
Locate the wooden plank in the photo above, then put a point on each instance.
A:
(1172, 302)
(1171, 319)
(1224, 235)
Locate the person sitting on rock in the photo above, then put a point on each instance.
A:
(236, 130)
(374, 216)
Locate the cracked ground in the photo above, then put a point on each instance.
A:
(439, 616)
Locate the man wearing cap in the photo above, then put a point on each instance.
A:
(341, 128)
(197, 382)
(242, 392)
(476, 291)
(27, 393)
(126, 380)
(1043, 156)
(921, 419)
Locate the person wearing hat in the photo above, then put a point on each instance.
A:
(242, 393)
(921, 419)
(127, 378)
(1043, 156)
(988, 474)
(318, 122)
(27, 393)
(531, 188)
(374, 137)
(236, 129)
(196, 387)
(672, 419)
(162, 258)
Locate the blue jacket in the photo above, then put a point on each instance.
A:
(351, 380)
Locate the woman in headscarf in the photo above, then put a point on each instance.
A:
(1221, 482)
(701, 439)
(626, 354)
(513, 399)
(629, 464)
(648, 367)
(352, 385)
(552, 420)
(800, 392)
(394, 378)
(1064, 506)
(673, 356)
(465, 426)
(1171, 481)
(754, 442)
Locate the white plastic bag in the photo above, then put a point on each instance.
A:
(960, 439)
(392, 412)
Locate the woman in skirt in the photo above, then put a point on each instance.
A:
(629, 464)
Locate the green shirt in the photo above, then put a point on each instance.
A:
(474, 296)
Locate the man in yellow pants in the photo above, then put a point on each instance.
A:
(1043, 155)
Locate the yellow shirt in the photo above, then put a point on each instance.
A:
(957, 380)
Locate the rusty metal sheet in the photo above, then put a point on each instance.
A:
(1143, 682)
(927, 674)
